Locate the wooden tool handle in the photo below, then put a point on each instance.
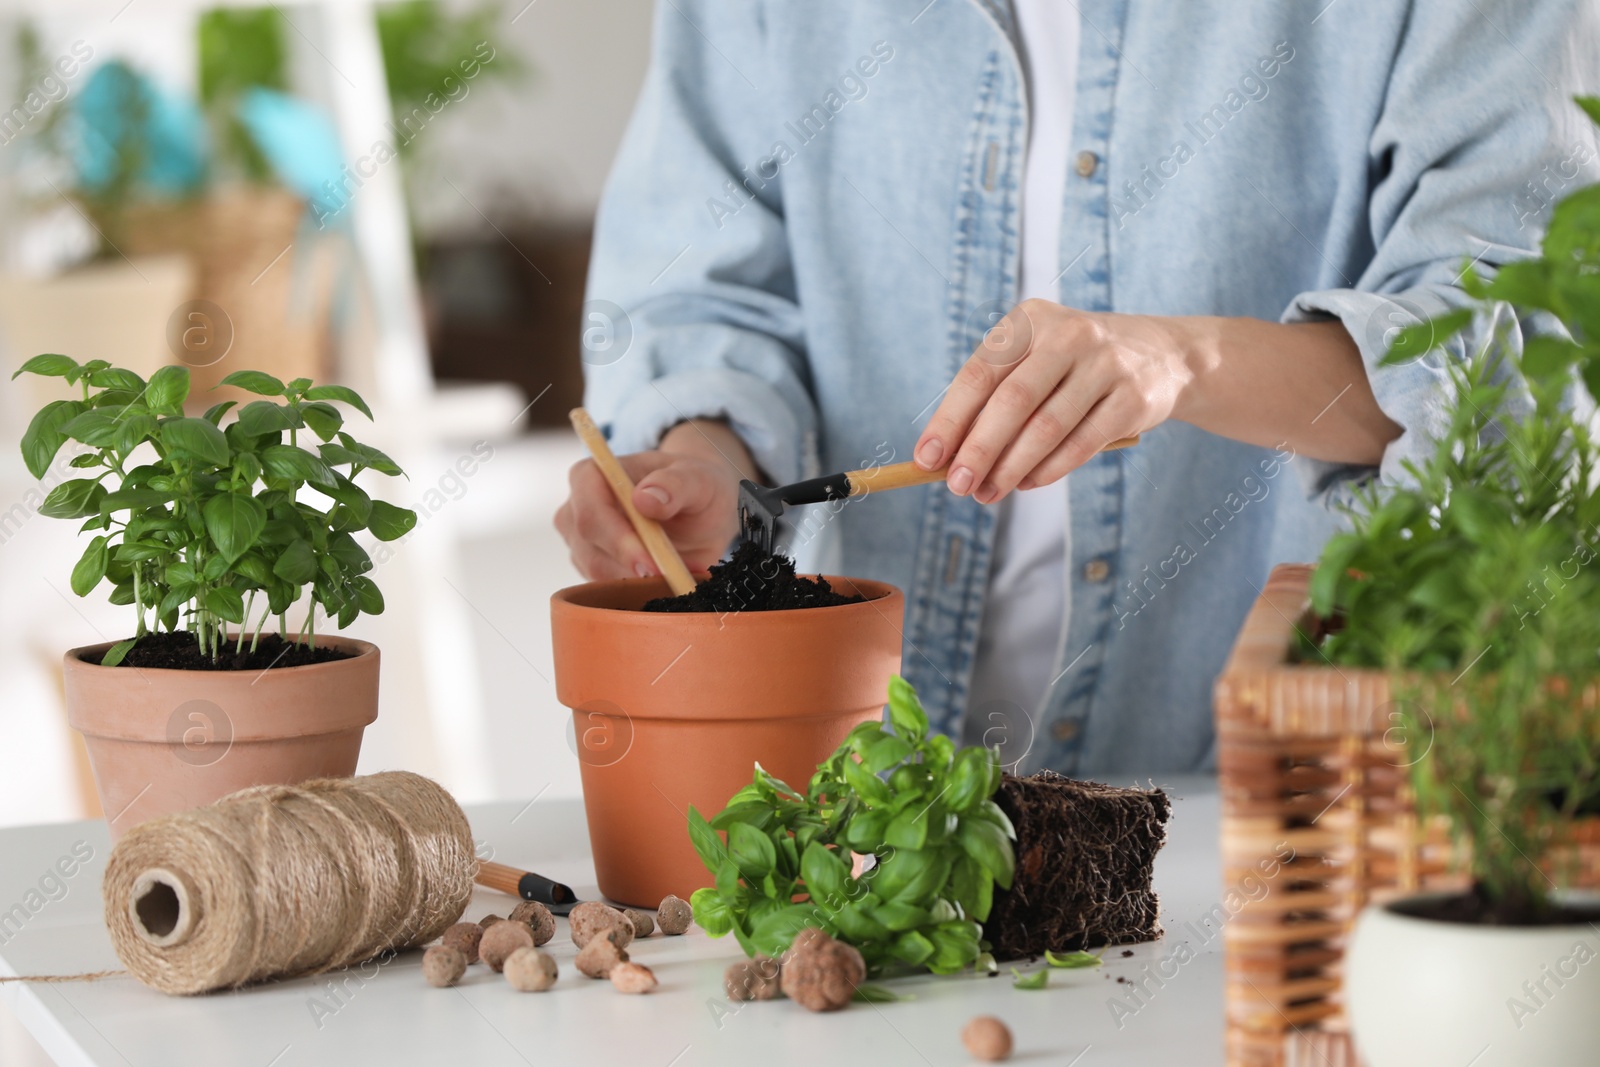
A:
(655, 539)
(524, 884)
(893, 476)
(904, 475)
(498, 876)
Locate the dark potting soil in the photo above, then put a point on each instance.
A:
(1475, 908)
(753, 580)
(1085, 854)
(179, 650)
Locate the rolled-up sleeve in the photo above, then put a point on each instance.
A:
(1452, 154)
(691, 294)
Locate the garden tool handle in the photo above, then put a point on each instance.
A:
(655, 539)
(904, 475)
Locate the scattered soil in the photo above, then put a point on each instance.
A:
(753, 580)
(180, 650)
(1085, 854)
(1474, 908)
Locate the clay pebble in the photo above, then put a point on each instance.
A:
(987, 1039)
(674, 916)
(443, 966)
(752, 979)
(501, 940)
(464, 938)
(601, 954)
(528, 970)
(589, 919)
(538, 918)
(821, 974)
(630, 977)
(644, 923)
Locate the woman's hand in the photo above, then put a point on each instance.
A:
(1049, 387)
(690, 486)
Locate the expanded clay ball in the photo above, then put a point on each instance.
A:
(464, 938)
(674, 916)
(591, 917)
(489, 920)
(643, 923)
(633, 978)
(501, 940)
(987, 1038)
(601, 954)
(752, 979)
(820, 973)
(530, 971)
(538, 918)
(443, 966)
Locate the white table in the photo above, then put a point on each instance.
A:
(389, 1016)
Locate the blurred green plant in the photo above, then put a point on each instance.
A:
(217, 518)
(912, 801)
(239, 49)
(424, 46)
(1475, 586)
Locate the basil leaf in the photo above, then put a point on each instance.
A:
(90, 568)
(751, 851)
(234, 522)
(167, 390)
(389, 523)
(196, 438)
(254, 381)
(1037, 980)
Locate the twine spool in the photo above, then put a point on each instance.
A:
(282, 881)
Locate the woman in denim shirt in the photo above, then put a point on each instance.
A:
(816, 218)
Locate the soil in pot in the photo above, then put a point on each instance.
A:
(1476, 908)
(753, 580)
(180, 650)
(1085, 857)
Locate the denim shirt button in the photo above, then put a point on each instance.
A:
(1096, 570)
(1086, 163)
(1064, 730)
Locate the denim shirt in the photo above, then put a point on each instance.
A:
(814, 218)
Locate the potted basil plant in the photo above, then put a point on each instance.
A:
(211, 529)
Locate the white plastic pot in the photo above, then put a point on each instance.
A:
(1424, 993)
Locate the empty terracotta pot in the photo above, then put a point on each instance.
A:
(671, 710)
(163, 740)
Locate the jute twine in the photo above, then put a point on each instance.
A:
(283, 881)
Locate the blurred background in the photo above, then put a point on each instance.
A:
(397, 197)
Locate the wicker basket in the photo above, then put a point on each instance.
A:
(256, 261)
(1311, 759)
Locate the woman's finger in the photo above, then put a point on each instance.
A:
(1051, 423)
(1014, 402)
(1001, 351)
(1113, 417)
(599, 521)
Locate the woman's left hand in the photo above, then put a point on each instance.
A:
(1049, 387)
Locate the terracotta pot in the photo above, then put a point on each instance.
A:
(167, 740)
(673, 710)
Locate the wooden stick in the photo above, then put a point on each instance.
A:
(903, 475)
(650, 532)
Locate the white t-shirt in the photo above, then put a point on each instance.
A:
(1025, 613)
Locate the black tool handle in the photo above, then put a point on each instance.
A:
(527, 885)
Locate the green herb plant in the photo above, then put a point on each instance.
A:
(211, 525)
(920, 808)
(1476, 585)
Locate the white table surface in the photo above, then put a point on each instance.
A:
(390, 1016)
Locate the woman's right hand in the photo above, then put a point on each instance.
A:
(690, 485)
